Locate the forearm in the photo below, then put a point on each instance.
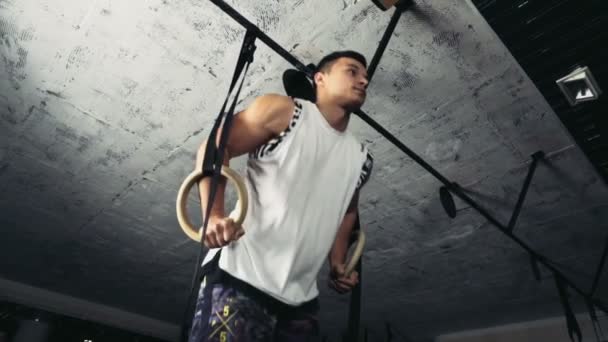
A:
(204, 185)
(338, 252)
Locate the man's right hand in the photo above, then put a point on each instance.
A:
(221, 231)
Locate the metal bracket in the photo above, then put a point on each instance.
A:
(536, 157)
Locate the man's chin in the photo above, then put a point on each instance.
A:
(356, 104)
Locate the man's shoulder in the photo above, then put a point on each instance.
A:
(277, 110)
(275, 103)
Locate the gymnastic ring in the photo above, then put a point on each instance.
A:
(184, 190)
(350, 265)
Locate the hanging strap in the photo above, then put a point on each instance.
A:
(214, 156)
(212, 163)
(597, 328)
(571, 322)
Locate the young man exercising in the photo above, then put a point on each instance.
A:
(304, 174)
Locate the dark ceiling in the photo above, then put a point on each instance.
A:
(549, 39)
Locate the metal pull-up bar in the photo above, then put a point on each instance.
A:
(453, 187)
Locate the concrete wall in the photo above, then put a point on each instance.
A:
(74, 307)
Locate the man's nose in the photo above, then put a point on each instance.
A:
(364, 81)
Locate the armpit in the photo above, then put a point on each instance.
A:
(366, 170)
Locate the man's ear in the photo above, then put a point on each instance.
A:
(319, 78)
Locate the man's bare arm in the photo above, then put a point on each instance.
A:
(265, 118)
(337, 255)
(251, 128)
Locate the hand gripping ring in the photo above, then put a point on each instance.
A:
(184, 190)
(234, 177)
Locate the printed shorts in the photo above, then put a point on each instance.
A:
(225, 314)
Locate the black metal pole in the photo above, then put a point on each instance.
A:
(524, 190)
(262, 36)
(354, 309)
(388, 33)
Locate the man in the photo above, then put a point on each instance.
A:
(304, 174)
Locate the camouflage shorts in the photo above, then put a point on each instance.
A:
(226, 314)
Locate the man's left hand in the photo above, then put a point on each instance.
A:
(339, 282)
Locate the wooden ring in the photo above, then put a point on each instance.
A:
(350, 265)
(184, 191)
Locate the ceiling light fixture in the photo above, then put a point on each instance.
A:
(579, 86)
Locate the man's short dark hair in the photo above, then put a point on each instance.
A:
(326, 62)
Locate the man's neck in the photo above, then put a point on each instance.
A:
(336, 116)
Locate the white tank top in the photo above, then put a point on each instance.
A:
(300, 185)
